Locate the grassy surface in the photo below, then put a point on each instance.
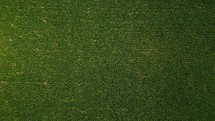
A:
(107, 60)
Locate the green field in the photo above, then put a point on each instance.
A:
(107, 60)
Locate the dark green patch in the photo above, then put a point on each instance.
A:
(107, 60)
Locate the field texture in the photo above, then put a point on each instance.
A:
(107, 60)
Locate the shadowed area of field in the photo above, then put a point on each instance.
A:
(106, 60)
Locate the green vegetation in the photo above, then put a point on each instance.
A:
(107, 60)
